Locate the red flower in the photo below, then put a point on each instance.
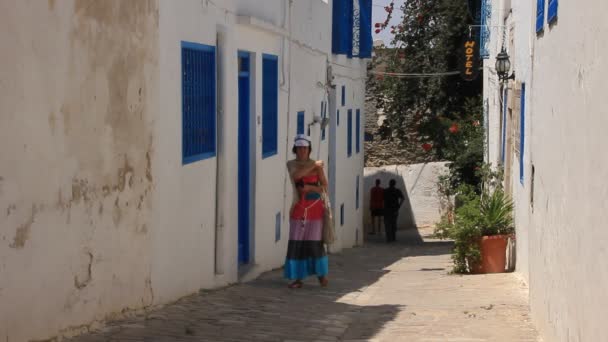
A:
(378, 25)
(387, 8)
(454, 128)
(378, 30)
(427, 147)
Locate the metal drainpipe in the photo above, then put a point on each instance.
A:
(287, 141)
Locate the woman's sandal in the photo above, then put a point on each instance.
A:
(295, 285)
(323, 281)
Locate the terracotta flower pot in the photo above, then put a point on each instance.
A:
(493, 253)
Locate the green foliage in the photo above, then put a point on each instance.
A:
(422, 109)
(475, 215)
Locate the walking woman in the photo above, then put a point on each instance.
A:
(306, 254)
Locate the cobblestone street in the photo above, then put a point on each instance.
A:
(380, 292)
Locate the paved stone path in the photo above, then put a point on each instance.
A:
(380, 292)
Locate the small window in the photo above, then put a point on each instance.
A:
(552, 11)
(323, 116)
(357, 194)
(300, 129)
(540, 15)
(342, 214)
(270, 106)
(522, 131)
(338, 117)
(349, 131)
(198, 102)
(343, 96)
(277, 227)
(358, 132)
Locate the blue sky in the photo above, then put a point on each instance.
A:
(379, 15)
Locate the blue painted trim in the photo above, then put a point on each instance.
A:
(197, 157)
(270, 107)
(358, 131)
(540, 15)
(337, 117)
(552, 11)
(277, 227)
(504, 123)
(197, 46)
(522, 131)
(188, 159)
(270, 56)
(349, 133)
(243, 53)
(343, 95)
(300, 123)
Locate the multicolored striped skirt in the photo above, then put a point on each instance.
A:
(306, 254)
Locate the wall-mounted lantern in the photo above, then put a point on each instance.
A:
(503, 65)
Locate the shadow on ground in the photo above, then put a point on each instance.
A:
(266, 310)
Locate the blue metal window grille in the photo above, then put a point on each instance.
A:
(484, 34)
(198, 102)
(277, 227)
(323, 115)
(342, 27)
(522, 131)
(358, 131)
(300, 129)
(349, 135)
(270, 93)
(540, 15)
(337, 117)
(552, 11)
(365, 29)
(343, 96)
(357, 194)
(504, 124)
(342, 214)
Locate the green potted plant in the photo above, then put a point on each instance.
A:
(480, 226)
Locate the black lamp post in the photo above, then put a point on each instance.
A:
(503, 64)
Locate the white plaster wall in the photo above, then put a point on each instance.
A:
(351, 73)
(78, 97)
(568, 238)
(418, 182)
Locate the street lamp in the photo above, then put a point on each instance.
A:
(503, 64)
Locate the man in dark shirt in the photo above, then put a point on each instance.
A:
(393, 198)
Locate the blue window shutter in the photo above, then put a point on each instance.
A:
(552, 11)
(349, 135)
(198, 102)
(540, 15)
(504, 124)
(365, 29)
(342, 27)
(300, 129)
(270, 106)
(357, 194)
(323, 115)
(277, 227)
(522, 131)
(342, 214)
(338, 117)
(358, 132)
(343, 95)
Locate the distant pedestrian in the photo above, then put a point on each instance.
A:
(306, 253)
(376, 207)
(393, 199)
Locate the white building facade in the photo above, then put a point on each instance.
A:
(144, 146)
(545, 127)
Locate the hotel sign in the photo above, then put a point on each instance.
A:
(469, 64)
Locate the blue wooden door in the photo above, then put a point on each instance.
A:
(244, 172)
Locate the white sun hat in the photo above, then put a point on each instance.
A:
(301, 141)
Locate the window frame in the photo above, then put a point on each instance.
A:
(208, 152)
